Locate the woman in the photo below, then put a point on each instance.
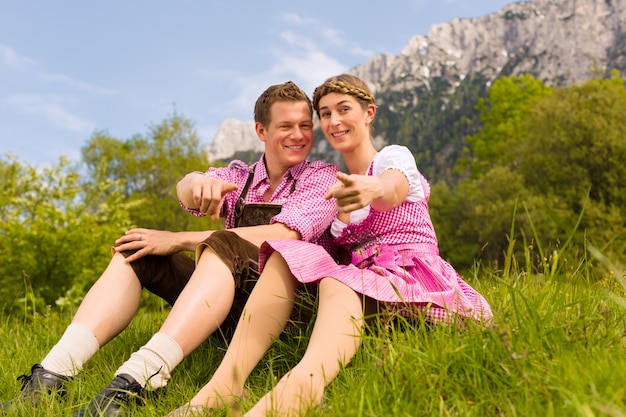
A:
(384, 225)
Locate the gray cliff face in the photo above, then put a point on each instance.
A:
(561, 42)
(234, 135)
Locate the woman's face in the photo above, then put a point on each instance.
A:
(344, 122)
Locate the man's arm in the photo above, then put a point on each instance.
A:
(307, 210)
(259, 234)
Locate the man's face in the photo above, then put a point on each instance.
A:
(288, 137)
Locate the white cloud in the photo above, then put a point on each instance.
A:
(302, 61)
(307, 60)
(10, 58)
(310, 68)
(80, 85)
(306, 52)
(51, 110)
(297, 19)
(295, 40)
(328, 34)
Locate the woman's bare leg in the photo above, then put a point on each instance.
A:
(335, 339)
(264, 318)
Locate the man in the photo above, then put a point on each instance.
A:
(202, 295)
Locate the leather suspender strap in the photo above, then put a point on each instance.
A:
(242, 200)
(262, 211)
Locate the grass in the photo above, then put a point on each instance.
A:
(557, 347)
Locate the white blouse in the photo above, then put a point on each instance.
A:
(390, 157)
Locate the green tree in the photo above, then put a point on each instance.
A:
(545, 157)
(573, 142)
(58, 223)
(56, 233)
(502, 113)
(150, 166)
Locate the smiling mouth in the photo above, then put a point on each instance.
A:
(295, 147)
(337, 134)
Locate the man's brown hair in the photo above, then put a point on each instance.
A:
(288, 91)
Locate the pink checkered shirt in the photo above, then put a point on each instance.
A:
(304, 210)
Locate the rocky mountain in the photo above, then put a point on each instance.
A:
(559, 41)
(233, 135)
(426, 95)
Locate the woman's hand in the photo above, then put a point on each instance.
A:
(353, 192)
(383, 192)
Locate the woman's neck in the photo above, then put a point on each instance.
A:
(358, 160)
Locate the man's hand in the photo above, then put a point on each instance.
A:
(204, 194)
(209, 195)
(353, 192)
(147, 242)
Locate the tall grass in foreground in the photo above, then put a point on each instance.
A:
(557, 347)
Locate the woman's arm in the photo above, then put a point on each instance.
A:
(382, 193)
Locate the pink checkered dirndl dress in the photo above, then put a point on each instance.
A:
(395, 260)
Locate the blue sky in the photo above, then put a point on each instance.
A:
(71, 67)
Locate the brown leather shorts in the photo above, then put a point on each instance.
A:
(166, 276)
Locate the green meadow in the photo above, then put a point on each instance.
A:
(556, 347)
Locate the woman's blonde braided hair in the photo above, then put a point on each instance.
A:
(344, 84)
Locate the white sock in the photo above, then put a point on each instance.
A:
(77, 345)
(152, 363)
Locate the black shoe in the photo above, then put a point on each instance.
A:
(39, 382)
(109, 402)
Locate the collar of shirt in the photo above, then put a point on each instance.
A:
(260, 181)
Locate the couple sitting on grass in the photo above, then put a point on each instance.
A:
(365, 238)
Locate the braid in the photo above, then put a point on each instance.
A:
(344, 84)
(344, 88)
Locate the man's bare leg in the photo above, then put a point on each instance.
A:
(108, 307)
(203, 305)
(199, 310)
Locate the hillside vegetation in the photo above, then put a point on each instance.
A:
(529, 206)
(541, 170)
